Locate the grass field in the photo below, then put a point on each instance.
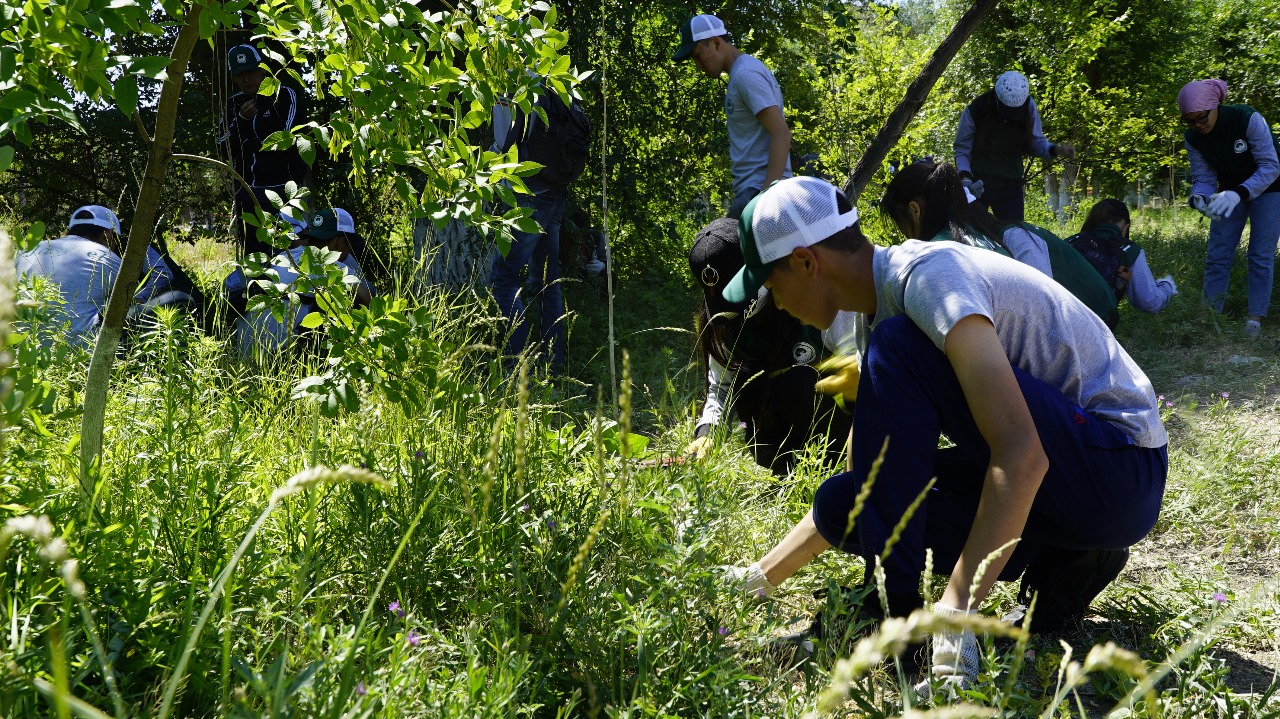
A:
(496, 552)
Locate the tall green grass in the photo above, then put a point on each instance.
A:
(520, 561)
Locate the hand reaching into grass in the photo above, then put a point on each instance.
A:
(699, 448)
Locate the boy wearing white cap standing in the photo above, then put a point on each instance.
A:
(996, 131)
(249, 118)
(1057, 441)
(759, 138)
(83, 264)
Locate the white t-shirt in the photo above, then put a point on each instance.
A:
(261, 330)
(84, 272)
(752, 88)
(1044, 329)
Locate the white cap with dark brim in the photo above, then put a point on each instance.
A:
(95, 215)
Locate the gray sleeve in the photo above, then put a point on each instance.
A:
(756, 91)
(847, 335)
(1204, 179)
(1028, 248)
(1039, 144)
(941, 292)
(156, 277)
(1144, 292)
(1264, 155)
(963, 145)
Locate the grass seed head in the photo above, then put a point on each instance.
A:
(320, 474)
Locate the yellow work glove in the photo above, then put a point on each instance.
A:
(699, 448)
(841, 382)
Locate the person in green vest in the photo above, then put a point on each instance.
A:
(927, 201)
(1235, 176)
(1107, 226)
(995, 132)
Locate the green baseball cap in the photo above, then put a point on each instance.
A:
(698, 27)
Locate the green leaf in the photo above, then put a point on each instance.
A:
(152, 67)
(313, 320)
(126, 92)
(6, 157)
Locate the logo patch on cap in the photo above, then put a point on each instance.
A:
(317, 220)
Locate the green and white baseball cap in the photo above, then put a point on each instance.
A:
(698, 27)
(790, 213)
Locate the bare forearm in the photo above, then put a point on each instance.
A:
(797, 549)
(779, 151)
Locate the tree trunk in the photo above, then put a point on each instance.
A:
(454, 258)
(915, 98)
(98, 380)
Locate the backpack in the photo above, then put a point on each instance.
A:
(1106, 253)
(562, 145)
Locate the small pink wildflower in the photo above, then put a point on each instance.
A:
(1219, 597)
(1159, 399)
(760, 592)
(1226, 395)
(360, 690)
(395, 609)
(413, 638)
(724, 631)
(1030, 655)
(1169, 405)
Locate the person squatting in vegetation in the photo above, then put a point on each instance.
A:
(761, 363)
(759, 138)
(1057, 439)
(1107, 228)
(927, 201)
(1235, 176)
(259, 332)
(561, 146)
(996, 131)
(84, 265)
(248, 119)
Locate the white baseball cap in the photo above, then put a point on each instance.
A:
(95, 215)
(696, 28)
(791, 213)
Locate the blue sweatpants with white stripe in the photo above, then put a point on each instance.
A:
(1101, 490)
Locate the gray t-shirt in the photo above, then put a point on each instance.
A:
(84, 272)
(752, 88)
(1044, 329)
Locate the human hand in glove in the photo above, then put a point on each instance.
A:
(841, 382)
(1223, 204)
(699, 448)
(1168, 280)
(974, 187)
(955, 655)
(1200, 204)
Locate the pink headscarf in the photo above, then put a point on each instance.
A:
(1201, 95)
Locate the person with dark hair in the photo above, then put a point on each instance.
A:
(760, 362)
(927, 201)
(1058, 457)
(1122, 264)
(759, 137)
(1235, 177)
(248, 119)
(83, 264)
(995, 132)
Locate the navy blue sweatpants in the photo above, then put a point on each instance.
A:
(1101, 490)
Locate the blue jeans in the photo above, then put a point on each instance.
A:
(1263, 214)
(541, 253)
(1101, 491)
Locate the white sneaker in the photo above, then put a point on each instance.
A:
(1252, 329)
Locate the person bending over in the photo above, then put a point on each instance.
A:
(1106, 232)
(1058, 457)
(926, 200)
(760, 362)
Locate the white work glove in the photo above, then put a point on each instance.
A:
(750, 580)
(1200, 204)
(1223, 204)
(955, 656)
(974, 187)
(1168, 279)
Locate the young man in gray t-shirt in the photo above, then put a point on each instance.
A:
(759, 139)
(1058, 456)
(83, 264)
